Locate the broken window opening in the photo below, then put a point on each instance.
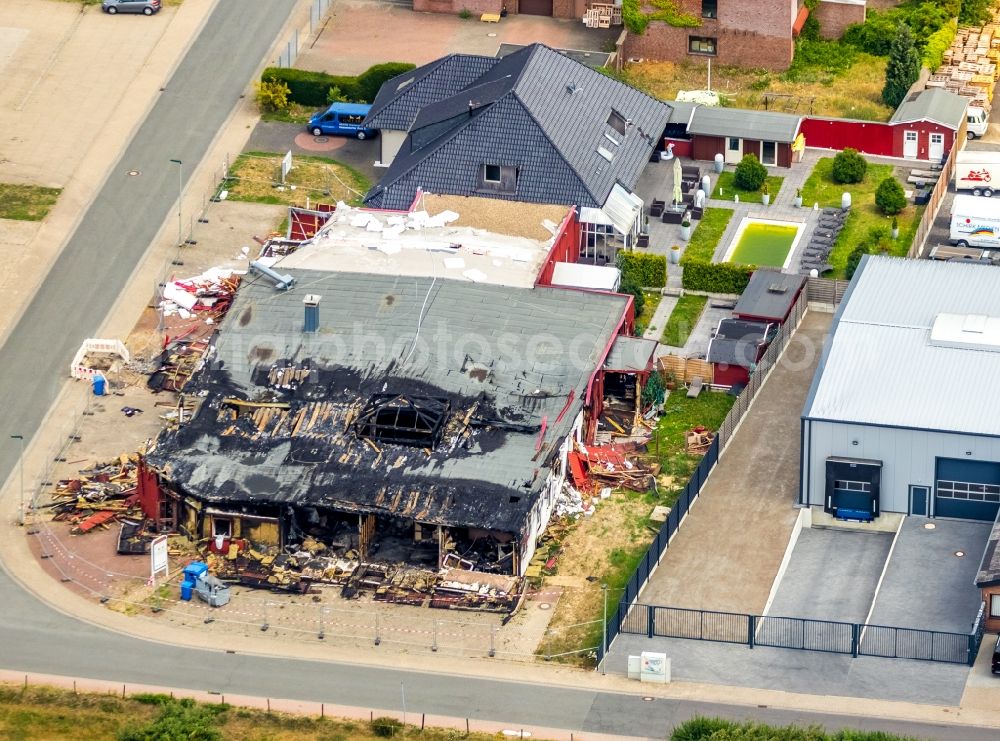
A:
(403, 420)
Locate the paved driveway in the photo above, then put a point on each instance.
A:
(926, 585)
(726, 554)
(832, 575)
(280, 137)
(362, 33)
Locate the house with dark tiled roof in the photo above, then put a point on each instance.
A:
(533, 126)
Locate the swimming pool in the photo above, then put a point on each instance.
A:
(764, 242)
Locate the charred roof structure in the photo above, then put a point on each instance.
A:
(443, 403)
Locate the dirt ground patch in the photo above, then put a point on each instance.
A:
(855, 93)
(256, 177)
(502, 217)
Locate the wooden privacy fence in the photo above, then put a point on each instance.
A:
(930, 213)
(685, 370)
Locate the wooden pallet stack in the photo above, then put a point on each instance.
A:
(970, 67)
(603, 15)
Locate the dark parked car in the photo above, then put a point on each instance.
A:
(146, 7)
(995, 666)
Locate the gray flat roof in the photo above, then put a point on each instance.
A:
(630, 354)
(746, 124)
(503, 358)
(769, 295)
(881, 368)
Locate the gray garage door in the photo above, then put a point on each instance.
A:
(967, 489)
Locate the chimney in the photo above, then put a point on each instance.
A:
(311, 302)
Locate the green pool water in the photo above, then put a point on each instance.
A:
(764, 244)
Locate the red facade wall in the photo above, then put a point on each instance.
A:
(682, 147)
(149, 491)
(565, 248)
(706, 147)
(741, 48)
(835, 133)
(724, 374)
(476, 7)
(834, 18)
(924, 130)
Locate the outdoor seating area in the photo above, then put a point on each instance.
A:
(816, 253)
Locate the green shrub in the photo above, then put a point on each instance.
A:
(716, 277)
(975, 12)
(386, 727)
(750, 173)
(853, 260)
(849, 167)
(890, 197)
(830, 57)
(699, 728)
(937, 44)
(180, 719)
(272, 97)
(465, 14)
(371, 80)
(636, 19)
(642, 269)
(313, 88)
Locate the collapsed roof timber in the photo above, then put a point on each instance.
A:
(442, 403)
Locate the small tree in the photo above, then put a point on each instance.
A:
(853, 260)
(638, 297)
(272, 97)
(890, 197)
(750, 173)
(849, 167)
(334, 95)
(903, 67)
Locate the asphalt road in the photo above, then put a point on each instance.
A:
(77, 295)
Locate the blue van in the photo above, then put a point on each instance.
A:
(342, 118)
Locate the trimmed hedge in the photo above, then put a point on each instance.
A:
(937, 44)
(716, 277)
(310, 88)
(642, 269)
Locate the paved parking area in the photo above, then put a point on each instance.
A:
(926, 585)
(808, 672)
(832, 575)
(280, 137)
(727, 553)
(366, 32)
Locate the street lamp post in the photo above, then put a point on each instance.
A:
(20, 466)
(604, 628)
(180, 195)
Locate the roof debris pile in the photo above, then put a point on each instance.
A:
(207, 296)
(177, 363)
(298, 567)
(99, 496)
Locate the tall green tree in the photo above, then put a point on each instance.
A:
(975, 12)
(903, 67)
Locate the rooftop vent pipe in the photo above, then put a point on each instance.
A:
(281, 282)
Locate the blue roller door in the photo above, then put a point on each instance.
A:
(967, 489)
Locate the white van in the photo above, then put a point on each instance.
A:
(978, 122)
(975, 222)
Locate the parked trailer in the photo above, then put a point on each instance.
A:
(978, 172)
(975, 222)
(963, 254)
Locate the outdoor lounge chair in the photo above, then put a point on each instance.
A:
(673, 216)
(695, 387)
(656, 208)
(642, 240)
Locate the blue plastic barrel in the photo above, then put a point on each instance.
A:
(187, 587)
(99, 384)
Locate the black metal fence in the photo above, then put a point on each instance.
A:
(803, 634)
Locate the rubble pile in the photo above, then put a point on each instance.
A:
(207, 296)
(100, 495)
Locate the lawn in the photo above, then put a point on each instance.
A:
(820, 188)
(296, 113)
(707, 234)
(853, 93)
(764, 244)
(255, 177)
(683, 319)
(26, 202)
(642, 321)
(726, 188)
(62, 715)
(607, 546)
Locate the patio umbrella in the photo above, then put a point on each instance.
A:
(677, 180)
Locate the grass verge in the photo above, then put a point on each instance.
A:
(606, 547)
(642, 321)
(26, 202)
(864, 216)
(707, 234)
(683, 319)
(57, 715)
(296, 113)
(726, 188)
(255, 177)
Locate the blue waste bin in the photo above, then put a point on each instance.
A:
(187, 587)
(194, 570)
(99, 383)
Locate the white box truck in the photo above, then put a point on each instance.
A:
(975, 222)
(978, 172)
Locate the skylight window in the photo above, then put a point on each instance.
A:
(605, 153)
(404, 83)
(618, 122)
